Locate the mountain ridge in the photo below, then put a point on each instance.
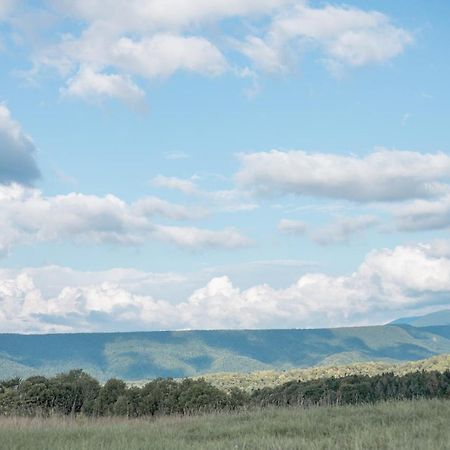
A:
(437, 318)
(144, 355)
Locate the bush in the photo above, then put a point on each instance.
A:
(78, 393)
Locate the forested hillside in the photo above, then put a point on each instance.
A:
(248, 382)
(145, 355)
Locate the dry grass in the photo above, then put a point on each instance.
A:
(394, 425)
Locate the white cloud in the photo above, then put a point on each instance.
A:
(194, 238)
(343, 229)
(263, 55)
(142, 15)
(104, 61)
(92, 86)
(17, 150)
(150, 39)
(27, 216)
(292, 226)
(346, 35)
(163, 54)
(424, 215)
(6, 7)
(384, 175)
(159, 55)
(180, 184)
(225, 200)
(150, 206)
(388, 283)
(339, 231)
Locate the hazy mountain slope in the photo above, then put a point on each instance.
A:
(437, 318)
(140, 355)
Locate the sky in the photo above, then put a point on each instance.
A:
(193, 164)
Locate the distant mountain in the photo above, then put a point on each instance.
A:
(142, 355)
(428, 320)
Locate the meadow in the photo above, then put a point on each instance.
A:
(418, 424)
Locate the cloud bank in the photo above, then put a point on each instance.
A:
(381, 176)
(388, 282)
(27, 216)
(118, 44)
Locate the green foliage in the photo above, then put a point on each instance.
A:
(76, 393)
(272, 378)
(356, 389)
(110, 394)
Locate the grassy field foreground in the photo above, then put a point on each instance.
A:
(394, 425)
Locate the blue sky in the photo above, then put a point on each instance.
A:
(247, 164)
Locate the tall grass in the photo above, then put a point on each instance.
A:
(421, 424)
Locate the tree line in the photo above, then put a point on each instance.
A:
(76, 392)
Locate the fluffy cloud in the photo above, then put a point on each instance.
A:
(388, 283)
(141, 15)
(92, 86)
(194, 238)
(347, 36)
(17, 150)
(179, 184)
(424, 215)
(380, 176)
(343, 229)
(292, 226)
(27, 216)
(119, 39)
(163, 54)
(104, 61)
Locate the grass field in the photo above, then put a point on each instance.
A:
(395, 425)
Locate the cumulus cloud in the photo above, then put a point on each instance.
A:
(163, 54)
(383, 175)
(150, 39)
(17, 150)
(139, 15)
(92, 86)
(388, 283)
(28, 216)
(159, 55)
(424, 215)
(104, 61)
(194, 238)
(343, 229)
(347, 36)
(179, 184)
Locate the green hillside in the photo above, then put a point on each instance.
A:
(143, 355)
(271, 378)
(437, 318)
